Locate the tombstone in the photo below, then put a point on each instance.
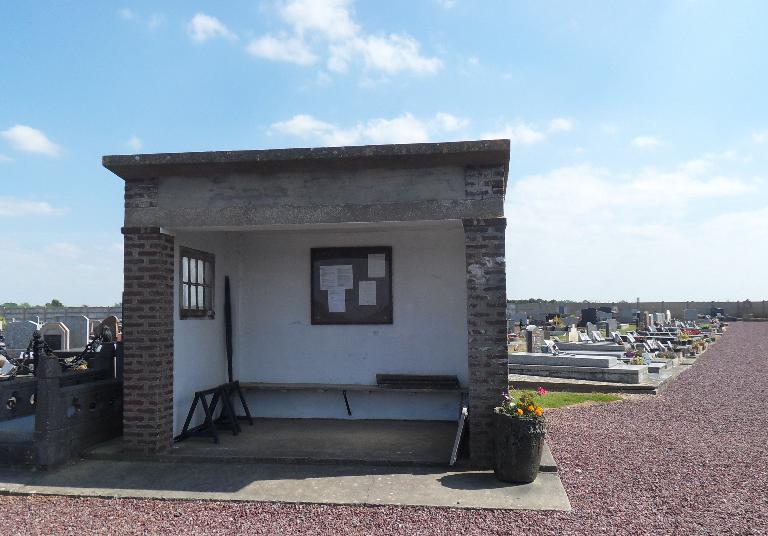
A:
(596, 336)
(589, 315)
(55, 335)
(591, 327)
(647, 357)
(659, 318)
(611, 325)
(690, 315)
(113, 324)
(626, 313)
(573, 334)
(583, 337)
(648, 319)
(668, 317)
(516, 318)
(616, 336)
(79, 329)
(18, 334)
(602, 315)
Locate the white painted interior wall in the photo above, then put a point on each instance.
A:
(279, 344)
(275, 341)
(199, 355)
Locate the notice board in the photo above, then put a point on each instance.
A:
(352, 285)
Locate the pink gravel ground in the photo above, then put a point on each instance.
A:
(693, 460)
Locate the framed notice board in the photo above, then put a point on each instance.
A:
(352, 285)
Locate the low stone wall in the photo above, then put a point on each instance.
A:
(51, 313)
(69, 411)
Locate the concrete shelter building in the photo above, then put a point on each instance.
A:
(423, 294)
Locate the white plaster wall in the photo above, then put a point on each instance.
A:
(199, 355)
(277, 343)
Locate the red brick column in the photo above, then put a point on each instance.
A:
(148, 339)
(486, 330)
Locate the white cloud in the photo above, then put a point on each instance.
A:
(203, 27)
(646, 228)
(446, 4)
(126, 13)
(15, 207)
(30, 140)
(331, 18)
(518, 133)
(401, 129)
(560, 124)
(287, 49)
(134, 143)
(450, 123)
(153, 22)
(760, 137)
(643, 142)
(29, 276)
(327, 28)
(389, 54)
(5, 158)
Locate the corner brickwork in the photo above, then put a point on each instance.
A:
(486, 330)
(148, 338)
(141, 193)
(482, 182)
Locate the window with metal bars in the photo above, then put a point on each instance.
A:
(196, 289)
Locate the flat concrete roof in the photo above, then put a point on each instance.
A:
(463, 153)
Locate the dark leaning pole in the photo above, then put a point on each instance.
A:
(228, 326)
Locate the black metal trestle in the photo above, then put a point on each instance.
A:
(227, 419)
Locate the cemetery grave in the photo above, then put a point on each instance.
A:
(604, 351)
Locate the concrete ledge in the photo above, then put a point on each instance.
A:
(625, 374)
(292, 484)
(560, 360)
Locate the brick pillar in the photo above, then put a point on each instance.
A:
(486, 329)
(148, 339)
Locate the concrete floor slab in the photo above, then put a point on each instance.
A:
(370, 442)
(329, 484)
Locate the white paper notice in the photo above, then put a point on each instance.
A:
(377, 266)
(344, 276)
(337, 302)
(328, 277)
(367, 293)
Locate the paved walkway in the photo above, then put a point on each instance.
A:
(691, 460)
(290, 483)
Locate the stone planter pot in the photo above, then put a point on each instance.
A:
(518, 446)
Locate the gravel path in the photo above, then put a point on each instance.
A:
(693, 460)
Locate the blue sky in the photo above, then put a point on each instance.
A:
(639, 129)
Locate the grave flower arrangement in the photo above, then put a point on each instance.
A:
(519, 429)
(635, 357)
(666, 355)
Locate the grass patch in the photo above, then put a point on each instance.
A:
(561, 399)
(627, 328)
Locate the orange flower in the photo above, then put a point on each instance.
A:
(539, 411)
(519, 411)
(530, 408)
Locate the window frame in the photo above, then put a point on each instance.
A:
(208, 285)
